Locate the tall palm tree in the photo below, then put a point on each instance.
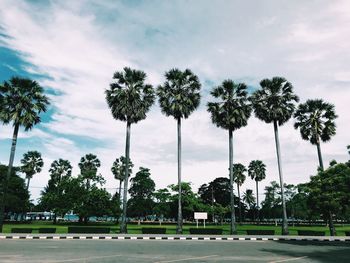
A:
(315, 119)
(275, 103)
(32, 163)
(230, 111)
(179, 97)
(257, 171)
(23, 101)
(118, 170)
(129, 99)
(239, 177)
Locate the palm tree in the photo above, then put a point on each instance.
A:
(239, 177)
(249, 199)
(315, 119)
(89, 165)
(23, 101)
(231, 111)
(32, 163)
(257, 171)
(129, 99)
(179, 97)
(275, 103)
(118, 170)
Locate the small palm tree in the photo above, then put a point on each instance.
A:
(249, 199)
(275, 103)
(231, 111)
(239, 177)
(89, 165)
(315, 120)
(179, 97)
(257, 171)
(118, 170)
(129, 99)
(32, 163)
(22, 102)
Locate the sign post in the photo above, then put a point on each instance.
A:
(200, 215)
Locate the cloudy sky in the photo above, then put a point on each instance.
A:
(72, 49)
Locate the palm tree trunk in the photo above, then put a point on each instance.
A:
(239, 205)
(28, 181)
(257, 202)
(6, 180)
(179, 213)
(278, 151)
(233, 218)
(123, 225)
(120, 190)
(320, 155)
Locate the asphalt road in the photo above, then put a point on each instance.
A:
(165, 251)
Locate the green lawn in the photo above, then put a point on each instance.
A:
(136, 229)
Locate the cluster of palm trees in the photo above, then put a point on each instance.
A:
(22, 101)
(130, 98)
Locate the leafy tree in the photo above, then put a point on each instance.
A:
(141, 193)
(162, 204)
(17, 197)
(239, 177)
(179, 97)
(22, 102)
(257, 171)
(118, 170)
(315, 120)
(129, 99)
(231, 111)
(275, 103)
(217, 191)
(328, 193)
(32, 163)
(271, 206)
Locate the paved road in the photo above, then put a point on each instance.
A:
(56, 251)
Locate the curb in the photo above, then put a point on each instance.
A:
(155, 237)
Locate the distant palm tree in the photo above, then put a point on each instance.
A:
(60, 170)
(179, 97)
(22, 102)
(231, 111)
(275, 103)
(32, 163)
(89, 165)
(348, 147)
(239, 177)
(315, 119)
(249, 199)
(118, 170)
(257, 171)
(129, 99)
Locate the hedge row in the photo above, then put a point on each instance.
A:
(311, 233)
(153, 230)
(88, 230)
(206, 231)
(260, 232)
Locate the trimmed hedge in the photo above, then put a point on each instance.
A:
(21, 230)
(47, 230)
(260, 232)
(88, 230)
(311, 233)
(347, 233)
(153, 230)
(206, 231)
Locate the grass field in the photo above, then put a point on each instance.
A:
(171, 229)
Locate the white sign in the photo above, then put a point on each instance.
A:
(200, 215)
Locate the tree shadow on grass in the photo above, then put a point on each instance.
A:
(338, 252)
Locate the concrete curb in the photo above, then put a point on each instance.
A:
(169, 237)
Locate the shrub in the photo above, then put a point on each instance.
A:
(260, 232)
(347, 233)
(88, 230)
(21, 230)
(206, 231)
(153, 230)
(47, 230)
(311, 233)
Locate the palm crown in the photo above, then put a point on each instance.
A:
(22, 101)
(88, 166)
(60, 169)
(129, 97)
(315, 119)
(233, 110)
(239, 171)
(179, 95)
(257, 170)
(275, 101)
(118, 168)
(31, 163)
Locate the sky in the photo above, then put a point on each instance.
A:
(72, 48)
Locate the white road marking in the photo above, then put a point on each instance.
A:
(185, 259)
(287, 259)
